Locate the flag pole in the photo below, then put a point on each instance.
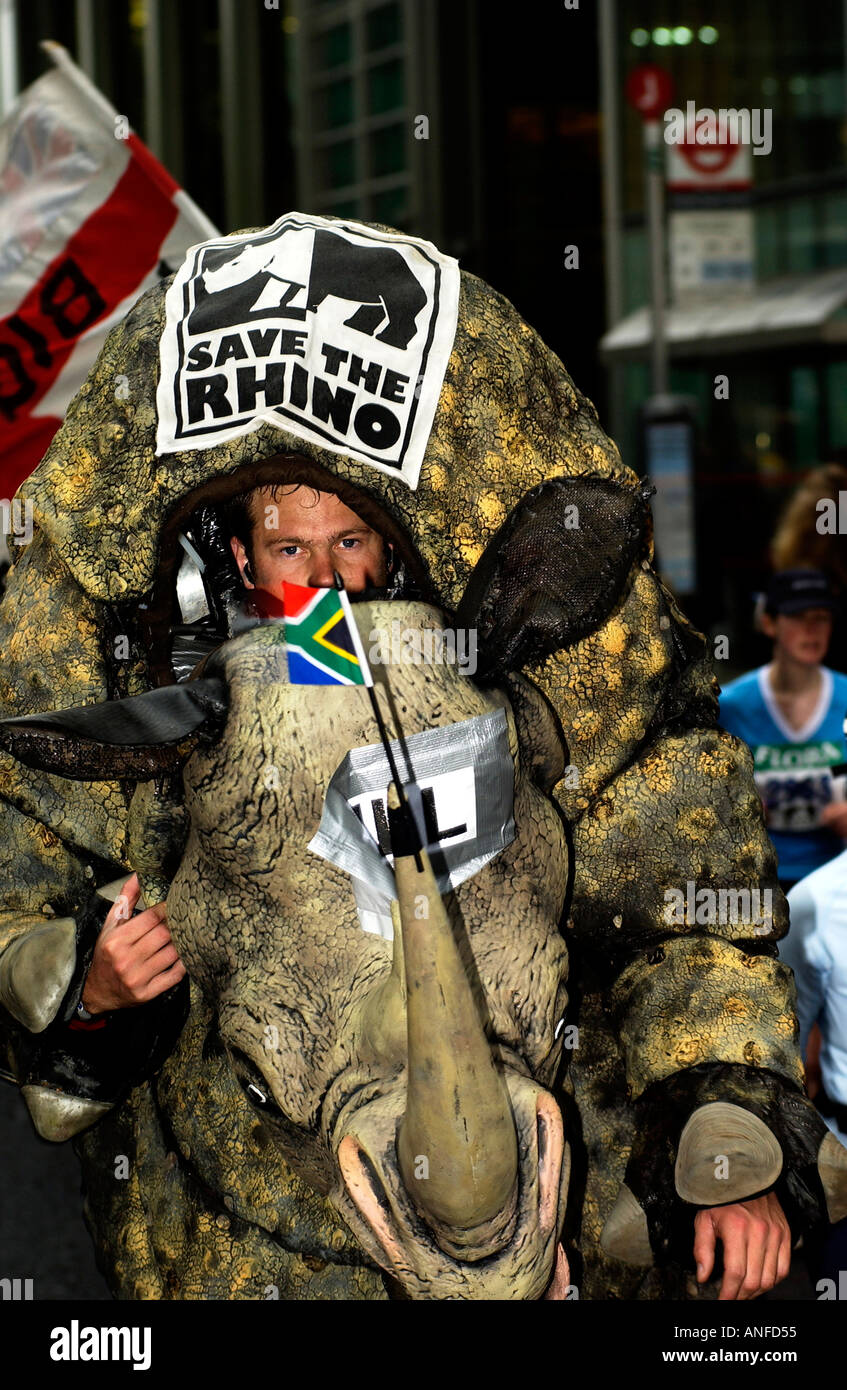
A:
(9, 83)
(405, 808)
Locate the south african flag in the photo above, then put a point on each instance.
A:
(322, 640)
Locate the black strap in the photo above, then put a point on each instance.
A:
(166, 715)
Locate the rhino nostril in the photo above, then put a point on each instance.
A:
(541, 1130)
(375, 1182)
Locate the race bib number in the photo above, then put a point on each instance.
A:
(796, 782)
(794, 803)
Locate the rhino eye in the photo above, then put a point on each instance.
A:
(253, 1084)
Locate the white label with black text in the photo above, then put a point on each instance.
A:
(336, 332)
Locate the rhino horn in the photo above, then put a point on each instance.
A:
(458, 1117)
(140, 737)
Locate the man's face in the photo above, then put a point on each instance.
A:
(804, 637)
(303, 537)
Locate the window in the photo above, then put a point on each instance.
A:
(340, 164)
(388, 150)
(383, 27)
(836, 384)
(385, 87)
(391, 205)
(335, 104)
(334, 47)
(805, 416)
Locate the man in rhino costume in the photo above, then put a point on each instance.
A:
(272, 1140)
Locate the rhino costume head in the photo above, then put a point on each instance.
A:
(401, 1079)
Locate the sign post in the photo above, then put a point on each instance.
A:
(710, 221)
(667, 423)
(649, 90)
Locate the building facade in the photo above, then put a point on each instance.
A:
(783, 346)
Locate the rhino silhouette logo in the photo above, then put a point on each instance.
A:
(338, 333)
(254, 282)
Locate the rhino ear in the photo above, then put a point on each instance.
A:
(137, 738)
(554, 570)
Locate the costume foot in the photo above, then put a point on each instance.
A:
(58, 1117)
(35, 971)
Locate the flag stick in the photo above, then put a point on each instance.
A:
(406, 810)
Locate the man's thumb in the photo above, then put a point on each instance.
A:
(124, 903)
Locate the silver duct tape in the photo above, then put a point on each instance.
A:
(374, 910)
(460, 783)
(190, 589)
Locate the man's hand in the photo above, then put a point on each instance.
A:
(134, 959)
(756, 1245)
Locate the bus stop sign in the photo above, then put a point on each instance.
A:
(649, 90)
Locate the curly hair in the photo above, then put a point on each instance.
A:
(797, 543)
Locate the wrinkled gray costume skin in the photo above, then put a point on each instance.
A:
(304, 1197)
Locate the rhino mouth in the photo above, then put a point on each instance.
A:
(460, 1161)
(515, 1245)
(450, 1167)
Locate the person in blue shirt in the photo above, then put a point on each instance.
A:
(791, 715)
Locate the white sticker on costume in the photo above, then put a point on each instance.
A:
(461, 797)
(445, 804)
(335, 332)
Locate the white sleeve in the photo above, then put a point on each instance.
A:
(804, 951)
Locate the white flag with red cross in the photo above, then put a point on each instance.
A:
(89, 219)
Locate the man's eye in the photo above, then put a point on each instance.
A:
(350, 541)
(289, 550)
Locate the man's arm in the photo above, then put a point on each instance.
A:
(135, 959)
(59, 839)
(756, 1246)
